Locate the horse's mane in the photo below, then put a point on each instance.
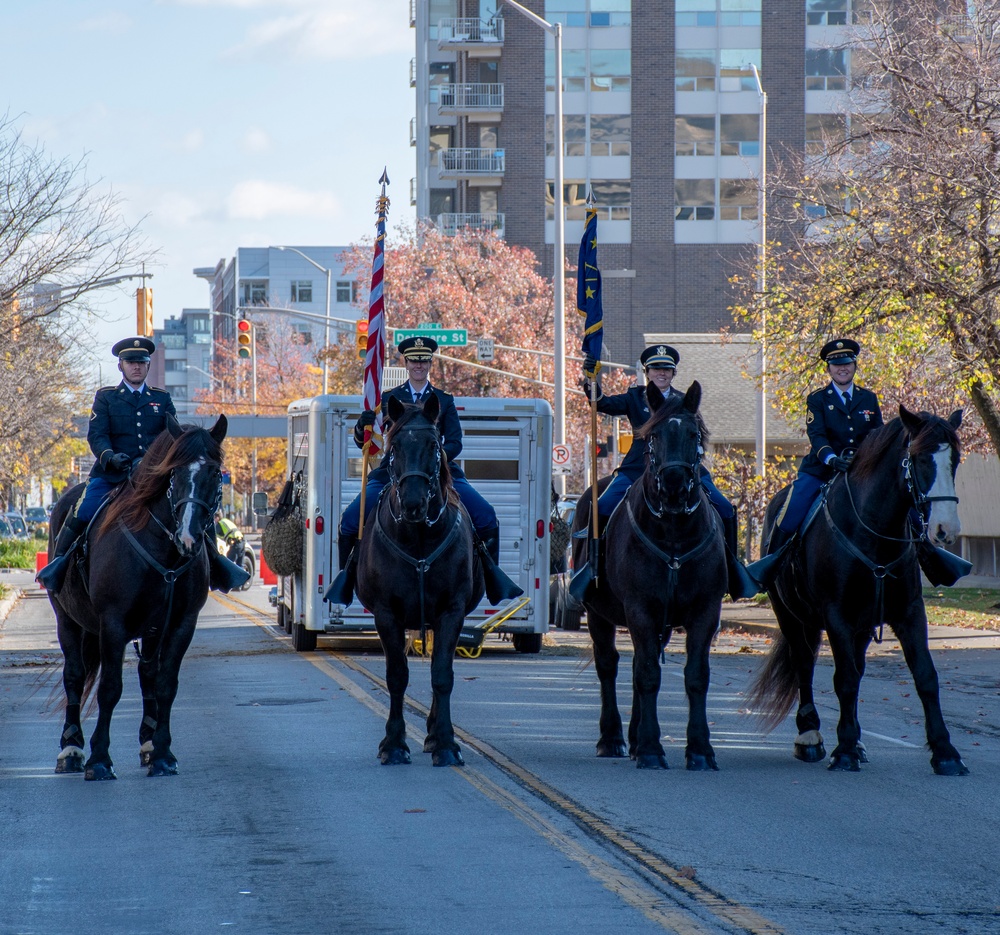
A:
(880, 442)
(152, 477)
(410, 412)
(672, 405)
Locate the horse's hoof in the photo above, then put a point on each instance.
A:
(862, 752)
(845, 762)
(949, 767)
(146, 753)
(70, 760)
(428, 744)
(448, 758)
(99, 772)
(612, 748)
(162, 767)
(810, 752)
(394, 757)
(651, 761)
(701, 763)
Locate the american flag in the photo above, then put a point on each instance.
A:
(375, 356)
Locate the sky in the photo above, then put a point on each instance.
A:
(219, 123)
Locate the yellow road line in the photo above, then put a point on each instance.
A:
(646, 899)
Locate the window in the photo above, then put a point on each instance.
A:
(442, 201)
(301, 334)
(440, 138)
(302, 290)
(694, 199)
(826, 69)
(826, 12)
(199, 324)
(610, 135)
(712, 13)
(347, 291)
(595, 13)
(739, 135)
(734, 69)
(607, 70)
(172, 341)
(738, 200)
(694, 135)
(178, 392)
(613, 197)
(824, 131)
(695, 69)
(178, 364)
(439, 73)
(253, 292)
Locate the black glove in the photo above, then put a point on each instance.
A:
(840, 464)
(119, 461)
(367, 419)
(589, 364)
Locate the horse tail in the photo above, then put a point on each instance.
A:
(91, 650)
(775, 688)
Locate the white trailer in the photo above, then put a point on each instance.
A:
(507, 457)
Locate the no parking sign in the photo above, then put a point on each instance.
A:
(562, 459)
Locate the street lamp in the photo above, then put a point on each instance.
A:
(326, 344)
(762, 278)
(559, 250)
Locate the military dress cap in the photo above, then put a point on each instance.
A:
(840, 351)
(418, 348)
(660, 355)
(134, 349)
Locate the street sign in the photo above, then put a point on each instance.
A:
(445, 337)
(562, 459)
(484, 349)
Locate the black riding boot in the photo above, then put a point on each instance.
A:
(740, 583)
(765, 570)
(941, 567)
(223, 575)
(51, 577)
(341, 590)
(499, 587)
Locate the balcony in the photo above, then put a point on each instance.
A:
(478, 102)
(465, 34)
(477, 166)
(413, 192)
(413, 13)
(413, 72)
(413, 131)
(451, 224)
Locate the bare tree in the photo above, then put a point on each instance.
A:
(889, 225)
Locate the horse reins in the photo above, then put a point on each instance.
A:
(690, 466)
(430, 478)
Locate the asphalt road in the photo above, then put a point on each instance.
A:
(282, 820)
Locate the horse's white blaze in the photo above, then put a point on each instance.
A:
(188, 538)
(943, 525)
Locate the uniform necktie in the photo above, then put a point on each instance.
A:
(847, 399)
(136, 395)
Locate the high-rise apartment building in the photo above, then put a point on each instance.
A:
(662, 120)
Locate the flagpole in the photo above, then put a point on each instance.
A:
(595, 530)
(375, 352)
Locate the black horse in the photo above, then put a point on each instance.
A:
(665, 569)
(855, 569)
(143, 577)
(416, 571)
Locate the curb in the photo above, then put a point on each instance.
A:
(8, 603)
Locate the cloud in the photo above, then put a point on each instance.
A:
(255, 200)
(174, 209)
(192, 141)
(115, 23)
(256, 140)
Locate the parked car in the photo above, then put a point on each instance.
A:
(565, 613)
(5, 531)
(37, 518)
(18, 527)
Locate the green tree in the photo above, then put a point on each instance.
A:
(888, 230)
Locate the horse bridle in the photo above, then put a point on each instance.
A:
(174, 507)
(920, 500)
(691, 467)
(433, 482)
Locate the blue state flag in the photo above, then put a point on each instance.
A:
(588, 293)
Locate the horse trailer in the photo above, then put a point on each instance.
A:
(507, 457)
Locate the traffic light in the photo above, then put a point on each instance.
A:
(144, 312)
(244, 339)
(604, 448)
(361, 337)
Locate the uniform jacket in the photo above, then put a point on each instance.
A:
(448, 423)
(633, 404)
(121, 423)
(834, 429)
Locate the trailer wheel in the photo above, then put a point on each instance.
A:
(290, 609)
(528, 642)
(281, 616)
(303, 640)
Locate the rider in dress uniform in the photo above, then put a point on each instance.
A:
(418, 354)
(660, 364)
(839, 416)
(124, 420)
